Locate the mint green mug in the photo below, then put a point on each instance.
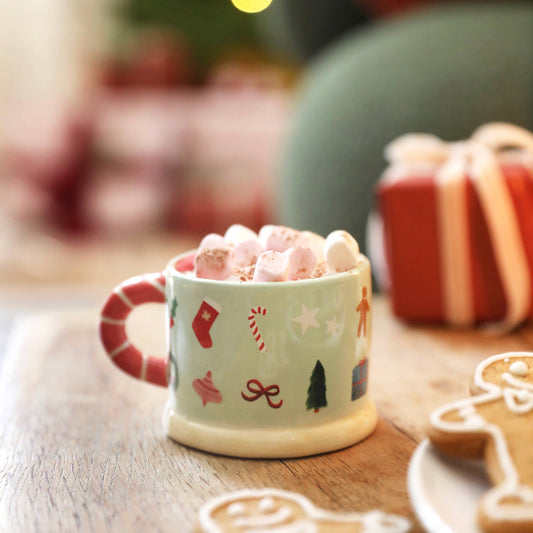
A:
(255, 369)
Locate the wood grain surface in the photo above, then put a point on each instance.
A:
(82, 446)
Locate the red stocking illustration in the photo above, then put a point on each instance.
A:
(203, 321)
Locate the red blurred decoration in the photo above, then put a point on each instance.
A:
(410, 225)
(157, 61)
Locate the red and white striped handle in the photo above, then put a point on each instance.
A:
(148, 288)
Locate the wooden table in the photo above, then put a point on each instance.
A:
(82, 446)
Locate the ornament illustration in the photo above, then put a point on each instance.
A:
(257, 389)
(173, 311)
(316, 393)
(254, 328)
(360, 379)
(363, 308)
(207, 390)
(307, 319)
(201, 325)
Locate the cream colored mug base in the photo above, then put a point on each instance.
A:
(274, 443)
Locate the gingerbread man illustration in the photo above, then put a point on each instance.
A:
(496, 424)
(273, 510)
(363, 308)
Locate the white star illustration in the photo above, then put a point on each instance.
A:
(307, 318)
(333, 326)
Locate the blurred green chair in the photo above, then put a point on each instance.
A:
(444, 70)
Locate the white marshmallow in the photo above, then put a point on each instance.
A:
(341, 251)
(238, 233)
(301, 263)
(214, 263)
(212, 240)
(271, 266)
(278, 238)
(246, 252)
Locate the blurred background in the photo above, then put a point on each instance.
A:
(130, 128)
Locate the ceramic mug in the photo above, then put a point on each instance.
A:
(255, 369)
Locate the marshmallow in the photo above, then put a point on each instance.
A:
(212, 240)
(242, 274)
(341, 251)
(301, 263)
(271, 266)
(238, 233)
(315, 242)
(264, 233)
(246, 252)
(214, 263)
(278, 238)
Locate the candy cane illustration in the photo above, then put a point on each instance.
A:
(148, 288)
(253, 326)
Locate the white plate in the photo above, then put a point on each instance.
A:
(445, 492)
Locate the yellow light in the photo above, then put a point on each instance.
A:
(251, 6)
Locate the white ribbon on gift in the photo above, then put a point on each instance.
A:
(480, 157)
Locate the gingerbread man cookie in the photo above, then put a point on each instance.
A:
(280, 511)
(496, 424)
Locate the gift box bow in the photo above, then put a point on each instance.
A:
(479, 159)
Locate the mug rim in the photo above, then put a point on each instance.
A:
(171, 268)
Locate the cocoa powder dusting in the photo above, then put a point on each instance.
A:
(245, 273)
(216, 257)
(319, 271)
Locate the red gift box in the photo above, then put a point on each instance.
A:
(428, 212)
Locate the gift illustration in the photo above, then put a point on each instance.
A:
(360, 379)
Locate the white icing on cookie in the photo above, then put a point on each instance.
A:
(266, 505)
(518, 401)
(268, 520)
(519, 368)
(518, 397)
(516, 383)
(371, 522)
(236, 509)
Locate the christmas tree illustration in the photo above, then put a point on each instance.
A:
(173, 311)
(316, 393)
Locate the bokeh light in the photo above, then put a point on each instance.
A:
(251, 6)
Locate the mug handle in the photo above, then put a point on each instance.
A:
(147, 288)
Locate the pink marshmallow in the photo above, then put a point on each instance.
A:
(214, 263)
(238, 233)
(212, 240)
(242, 274)
(246, 253)
(278, 238)
(271, 266)
(302, 263)
(315, 242)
